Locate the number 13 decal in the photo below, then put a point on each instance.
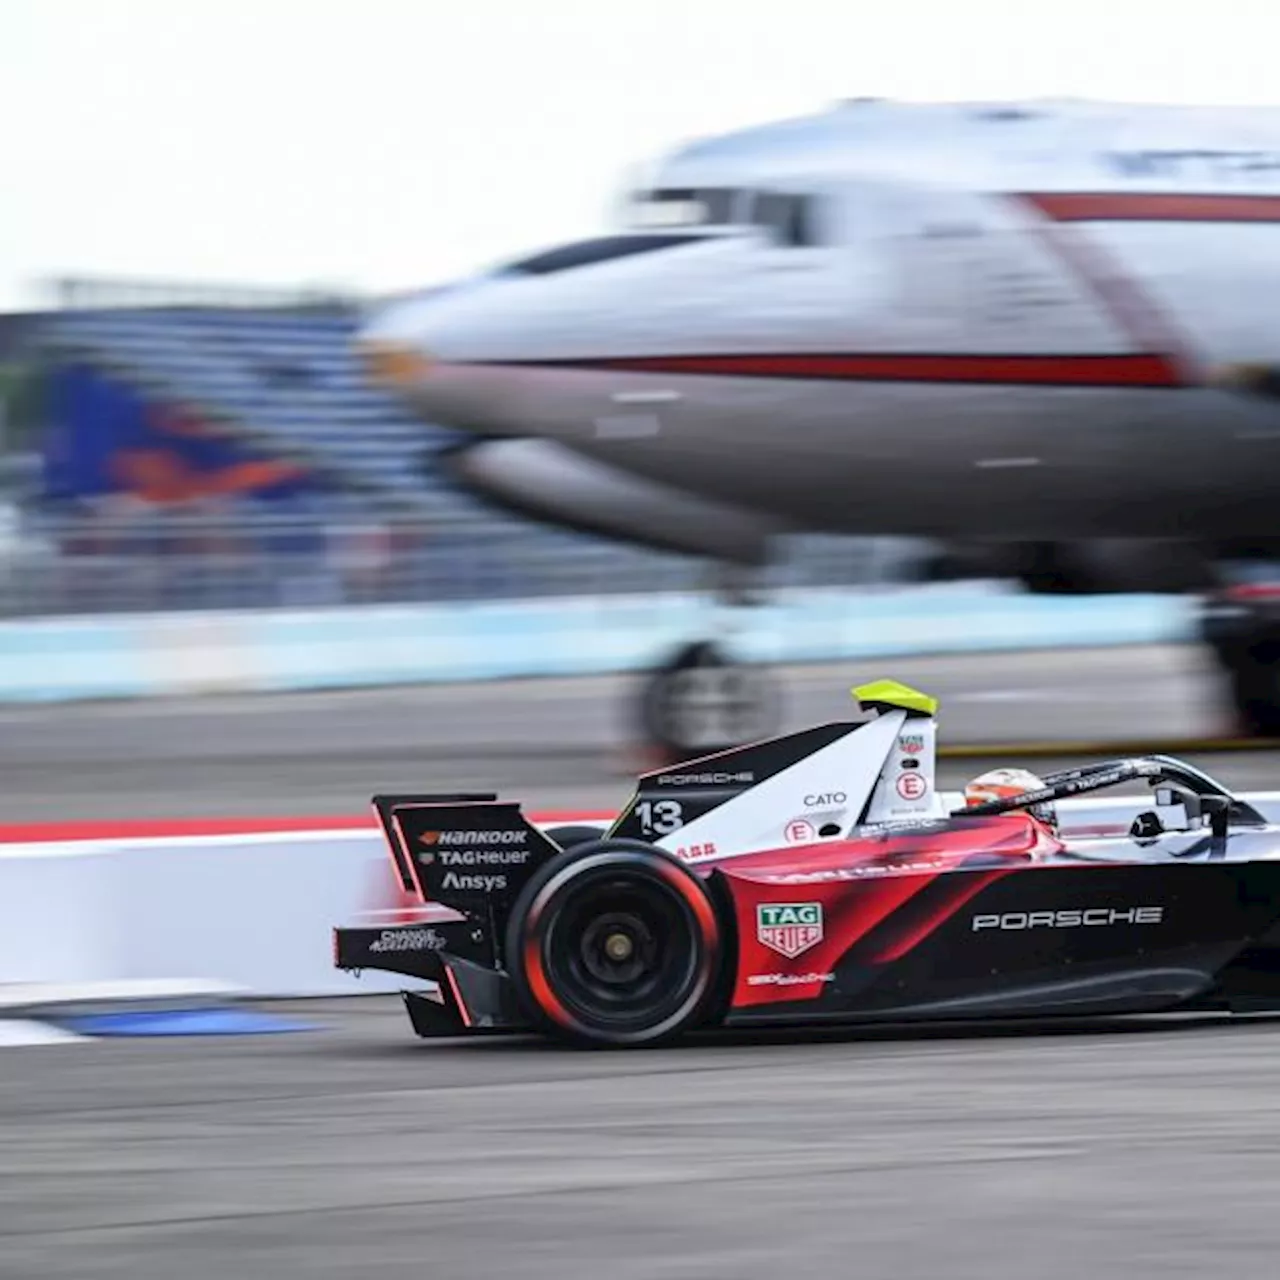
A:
(660, 817)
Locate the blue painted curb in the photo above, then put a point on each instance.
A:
(182, 1022)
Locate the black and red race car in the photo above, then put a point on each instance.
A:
(820, 877)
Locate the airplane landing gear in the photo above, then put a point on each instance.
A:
(700, 701)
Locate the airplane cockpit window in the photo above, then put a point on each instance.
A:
(677, 207)
(584, 253)
(791, 218)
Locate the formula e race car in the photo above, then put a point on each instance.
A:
(820, 877)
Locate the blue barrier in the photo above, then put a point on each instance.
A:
(133, 656)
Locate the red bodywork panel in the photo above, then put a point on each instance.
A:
(869, 894)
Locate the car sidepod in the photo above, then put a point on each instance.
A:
(1012, 940)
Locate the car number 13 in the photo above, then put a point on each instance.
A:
(660, 817)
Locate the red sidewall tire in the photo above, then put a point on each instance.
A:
(547, 947)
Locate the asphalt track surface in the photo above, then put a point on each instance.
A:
(553, 743)
(356, 1150)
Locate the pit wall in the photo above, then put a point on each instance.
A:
(125, 656)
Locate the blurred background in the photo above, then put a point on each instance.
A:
(240, 238)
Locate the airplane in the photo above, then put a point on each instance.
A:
(1044, 336)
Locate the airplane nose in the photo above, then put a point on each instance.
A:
(421, 355)
(394, 365)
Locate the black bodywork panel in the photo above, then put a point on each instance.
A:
(1054, 940)
(671, 798)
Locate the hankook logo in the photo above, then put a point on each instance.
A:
(474, 837)
(1090, 918)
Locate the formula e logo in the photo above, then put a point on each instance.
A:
(911, 786)
(789, 928)
(1091, 918)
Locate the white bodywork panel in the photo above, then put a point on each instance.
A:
(831, 787)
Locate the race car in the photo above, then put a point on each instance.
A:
(820, 877)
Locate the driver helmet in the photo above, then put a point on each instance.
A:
(1001, 784)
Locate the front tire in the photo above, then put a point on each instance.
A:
(615, 944)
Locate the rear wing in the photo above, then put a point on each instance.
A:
(471, 852)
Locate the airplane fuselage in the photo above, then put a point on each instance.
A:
(942, 321)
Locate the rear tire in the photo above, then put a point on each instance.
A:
(615, 944)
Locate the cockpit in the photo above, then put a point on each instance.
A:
(668, 218)
(792, 219)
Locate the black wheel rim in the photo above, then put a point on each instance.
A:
(622, 951)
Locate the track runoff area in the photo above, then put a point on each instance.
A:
(1137, 1149)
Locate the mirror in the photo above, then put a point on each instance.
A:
(1176, 808)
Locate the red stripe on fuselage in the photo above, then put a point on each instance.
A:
(1152, 206)
(1139, 369)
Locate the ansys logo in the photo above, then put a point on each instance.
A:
(789, 928)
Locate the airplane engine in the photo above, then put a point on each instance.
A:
(1095, 566)
(547, 481)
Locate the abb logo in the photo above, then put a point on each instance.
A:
(696, 851)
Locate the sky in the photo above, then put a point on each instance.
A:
(379, 145)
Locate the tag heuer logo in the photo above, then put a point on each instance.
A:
(789, 928)
(911, 744)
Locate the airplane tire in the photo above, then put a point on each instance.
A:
(700, 702)
(615, 944)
